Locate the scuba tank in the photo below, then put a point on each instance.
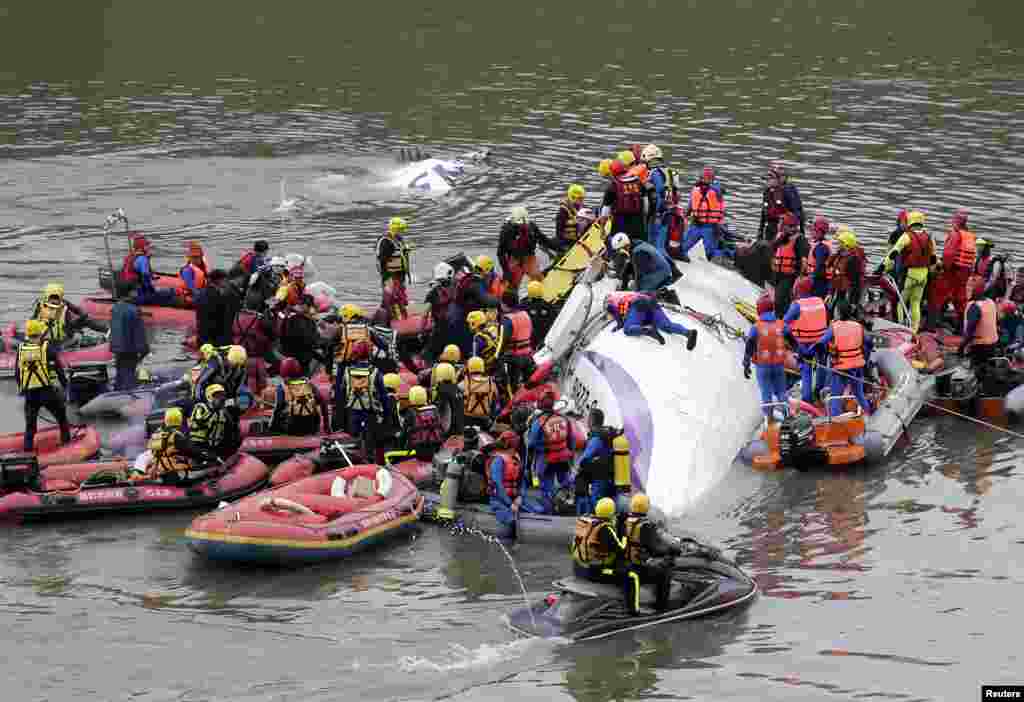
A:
(454, 472)
(622, 468)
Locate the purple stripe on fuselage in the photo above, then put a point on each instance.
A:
(636, 414)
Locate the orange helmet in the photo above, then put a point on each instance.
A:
(195, 250)
(140, 244)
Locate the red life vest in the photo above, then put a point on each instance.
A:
(426, 428)
(847, 345)
(810, 263)
(774, 203)
(771, 346)
(440, 301)
(706, 207)
(510, 475)
(810, 326)
(919, 253)
(519, 344)
(522, 240)
(987, 331)
(463, 281)
(620, 302)
(556, 438)
(784, 260)
(245, 262)
(128, 273)
(629, 198)
(198, 275)
(966, 252)
(838, 264)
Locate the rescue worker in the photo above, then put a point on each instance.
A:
(217, 306)
(551, 441)
(472, 292)
(806, 322)
(506, 484)
(597, 550)
(646, 542)
(898, 271)
(567, 232)
(849, 349)
(250, 262)
(625, 201)
(387, 433)
(981, 329)
(488, 339)
(662, 184)
(394, 267)
(542, 313)
(516, 353)
(358, 393)
(292, 288)
(227, 366)
(128, 340)
(790, 248)
(493, 283)
(779, 197)
(300, 336)
(193, 272)
(480, 395)
(959, 255)
(299, 409)
(174, 454)
(991, 269)
(63, 320)
(706, 212)
(36, 368)
(440, 300)
(517, 248)
(138, 271)
(917, 255)
(595, 477)
(816, 263)
(630, 158)
(208, 421)
(353, 328)
(642, 263)
(1011, 326)
(849, 268)
(639, 314)
(446, 395)
(421, 425)
(766, 348)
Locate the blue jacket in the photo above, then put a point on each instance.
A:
(661, 189)
(497, 479)
(752, 336)
(649, 265)
(127, 331)
(145, 273)
(596, 448)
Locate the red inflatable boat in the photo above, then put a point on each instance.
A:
(85, 444)
(321, 518)
(275, 448)
(100, 307)
(101, 488)
(303, 465)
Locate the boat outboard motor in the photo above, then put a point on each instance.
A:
(956, 384)
(796, 443)
(86, 381)
(18, 471)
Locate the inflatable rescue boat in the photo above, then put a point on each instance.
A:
(158, 315)
(84, 445)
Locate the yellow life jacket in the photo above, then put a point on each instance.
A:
(55, 317)
(206, 425)
(635, 551)
(492, 338)
(360, 389)
(398, 263)
(348, 335)
(166, 457)
(588, 548)
(33, 368)
(479, 396)
(299, 398)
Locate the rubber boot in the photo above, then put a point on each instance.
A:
(631, 592)
(664, 589)
(691, 339)
(654, 334)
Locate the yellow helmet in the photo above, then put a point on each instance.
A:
(475, 365)
(451, 353)
(476, 319)
(576, 192)
(53, 290)
(35, 327)
(915, 217)
(627, 157)
(212, 390)
(392, 381)
(604, 168)
(417, 396)
(605, 508)
(237, 356)
(847, 239)
(143, 375)
(206, 350)
(484, 263)
(172, 417)
(535, 288)
(982, 242)
(639, 504)
(444, 372)
(350, 312)
(397, 225)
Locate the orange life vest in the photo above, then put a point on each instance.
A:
(510, 475)
(479, 394)
(620, 302)
(706, 207)
(919, 253)
(967, 251)
(641, 171)
(847, 345)
(839, 262)
(556, 438)
(810, 263)
(987, 331)
(810, 326)
(522, 332)
(784, 261)
(771, 346)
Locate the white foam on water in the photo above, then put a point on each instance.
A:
(463, 658)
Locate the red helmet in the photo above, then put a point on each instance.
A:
(708, 174)
(195, 250)
(1007, 307)
(140, 244)
(360, 351)
(290, 368)
(547, 400)
(820, 226)
(960, 218)
(617, 168)
(765, 303)
(803, 287)
(901, 219)
(509, 439)
(789, 221)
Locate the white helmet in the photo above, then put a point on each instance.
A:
(650, 153)
(620, 241)
(278, 262)
(443, 272)
(519, 215)
(294, 260)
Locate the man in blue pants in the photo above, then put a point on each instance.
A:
(639, 314)
(766, 348)
(806, 322)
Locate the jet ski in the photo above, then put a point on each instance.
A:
(703, 583)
